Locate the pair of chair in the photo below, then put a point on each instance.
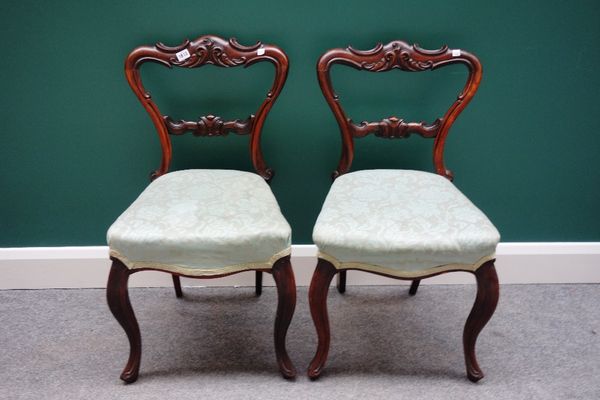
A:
(212, 223)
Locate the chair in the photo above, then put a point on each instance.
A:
(203, 223)
(402, 224)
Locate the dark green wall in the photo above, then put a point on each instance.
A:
(77, 147)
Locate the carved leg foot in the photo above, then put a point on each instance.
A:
(483, 309)
(258, 283)
(118, 301)
(414, 286)
(341, 281)
(317, 297)
(286, 294)
(177, 286)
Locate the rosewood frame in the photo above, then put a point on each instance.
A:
(202, 51)
(382, 58)
(488, 291)
(117, 295)
(216, 51)
(402, 56)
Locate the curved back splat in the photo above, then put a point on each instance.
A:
(402, 56)
(216, 51)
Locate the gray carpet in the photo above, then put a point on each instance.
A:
(543, 343)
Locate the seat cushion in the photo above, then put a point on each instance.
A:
(402, 223)
(202, 222)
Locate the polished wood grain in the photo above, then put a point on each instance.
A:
(286, 294)
(402, 56)
(488, 291)
(117, 294)
(209, 125)
(208, 50)
(398, 55)
(317, 298)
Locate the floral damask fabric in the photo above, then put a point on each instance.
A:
(402, 222)
(202, 222)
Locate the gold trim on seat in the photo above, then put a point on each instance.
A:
(403, 274)
(191, 271)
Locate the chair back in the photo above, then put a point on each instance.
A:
(202, 51)
(402, 56)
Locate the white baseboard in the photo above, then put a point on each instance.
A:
(87, 267)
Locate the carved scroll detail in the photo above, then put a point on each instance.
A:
(402, 56)
(210, 125)
(393, 127)
(209, 50)
(214, 50)
(395, 55)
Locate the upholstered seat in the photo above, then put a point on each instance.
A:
(403, 223)
(202, 222)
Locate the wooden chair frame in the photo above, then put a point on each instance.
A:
(202, 51)
(402, 56)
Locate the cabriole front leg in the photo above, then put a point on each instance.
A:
(317, 297)
(117, 295)
(286, 304)
(488, 291)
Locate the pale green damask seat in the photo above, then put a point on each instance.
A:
(202, 222)
(403, 223)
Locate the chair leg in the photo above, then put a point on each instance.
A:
(286, 304)
(414, 286)
(258, 283)
(485, 304)
(317, 297)
(341, 281)
(177, 285)
(118, 301)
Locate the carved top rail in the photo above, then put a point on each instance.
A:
(208, 50)
(402, 56)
